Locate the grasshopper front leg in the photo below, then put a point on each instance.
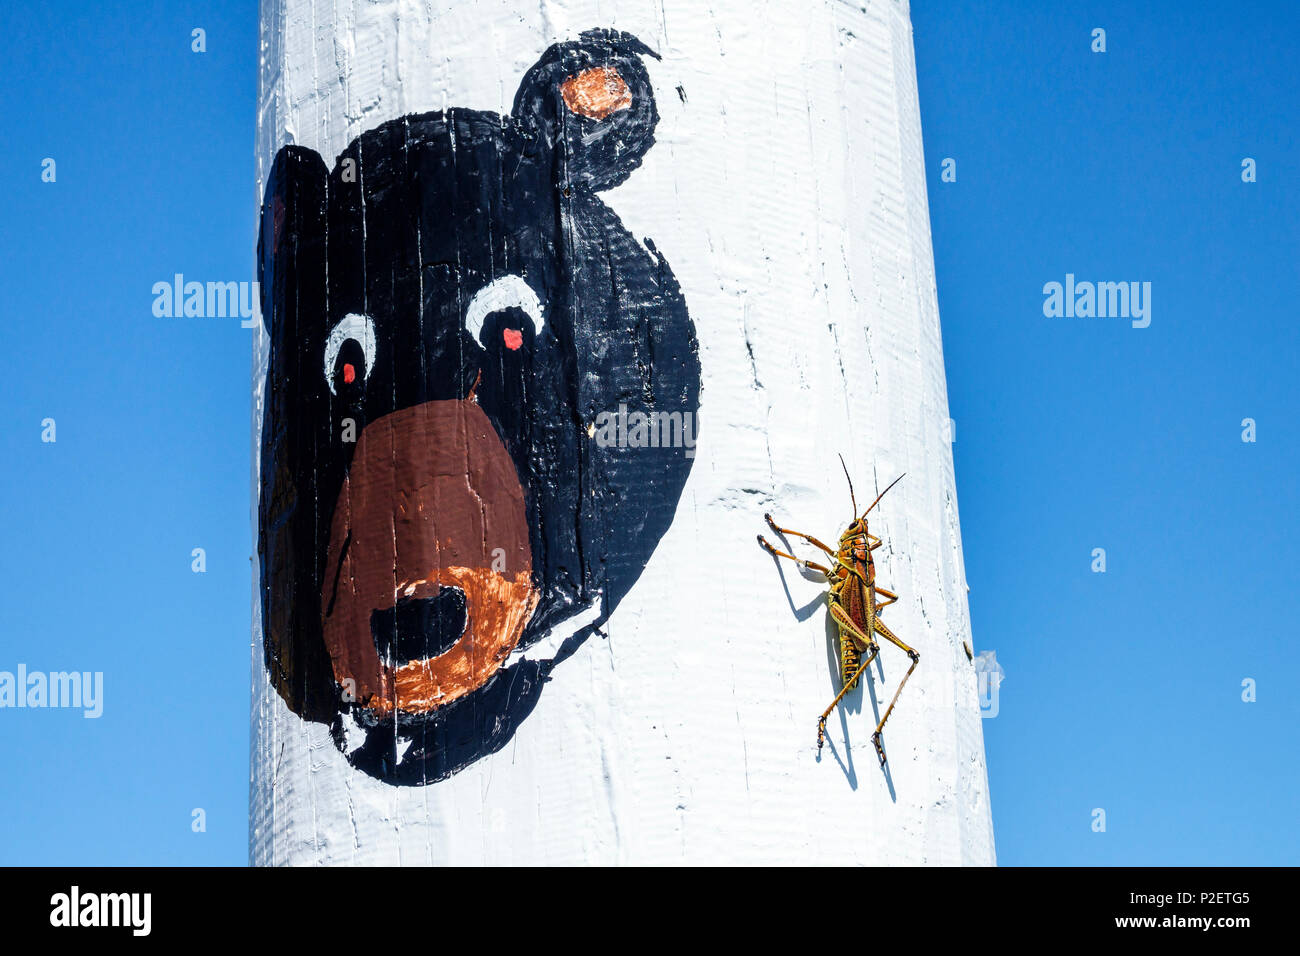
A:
(778, 553)
(798, 534)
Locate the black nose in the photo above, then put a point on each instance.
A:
(420, 628)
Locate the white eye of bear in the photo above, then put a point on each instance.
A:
(358, 328)
(507, 292)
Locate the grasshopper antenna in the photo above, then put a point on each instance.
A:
(850, 481)
(883, 493)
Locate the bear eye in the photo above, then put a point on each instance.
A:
(356, 328)
(507, 292)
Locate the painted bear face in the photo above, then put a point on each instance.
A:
(454, 318)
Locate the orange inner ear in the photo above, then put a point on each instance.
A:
(596, 93)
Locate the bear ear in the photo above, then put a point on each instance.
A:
(590, 101)
(291, 240)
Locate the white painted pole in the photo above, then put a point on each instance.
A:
(786, 190)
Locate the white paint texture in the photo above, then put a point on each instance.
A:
(787, 190)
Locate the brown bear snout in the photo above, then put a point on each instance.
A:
(428, 555)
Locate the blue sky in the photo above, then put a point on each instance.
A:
(155, 167)
(1123, 689)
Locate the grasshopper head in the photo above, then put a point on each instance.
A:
(854, 540)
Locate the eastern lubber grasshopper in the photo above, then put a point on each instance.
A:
(854, 604)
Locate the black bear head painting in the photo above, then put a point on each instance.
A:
(455, 320)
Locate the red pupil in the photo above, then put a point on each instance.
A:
(349, 373)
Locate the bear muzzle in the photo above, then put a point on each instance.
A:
(429, 582)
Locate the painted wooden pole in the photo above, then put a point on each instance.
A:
(559, 300)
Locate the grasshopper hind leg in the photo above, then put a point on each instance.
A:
(916, 659)
(850, 671)
(849, 685)
(850, 638)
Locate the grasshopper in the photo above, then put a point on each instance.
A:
(855, 604)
